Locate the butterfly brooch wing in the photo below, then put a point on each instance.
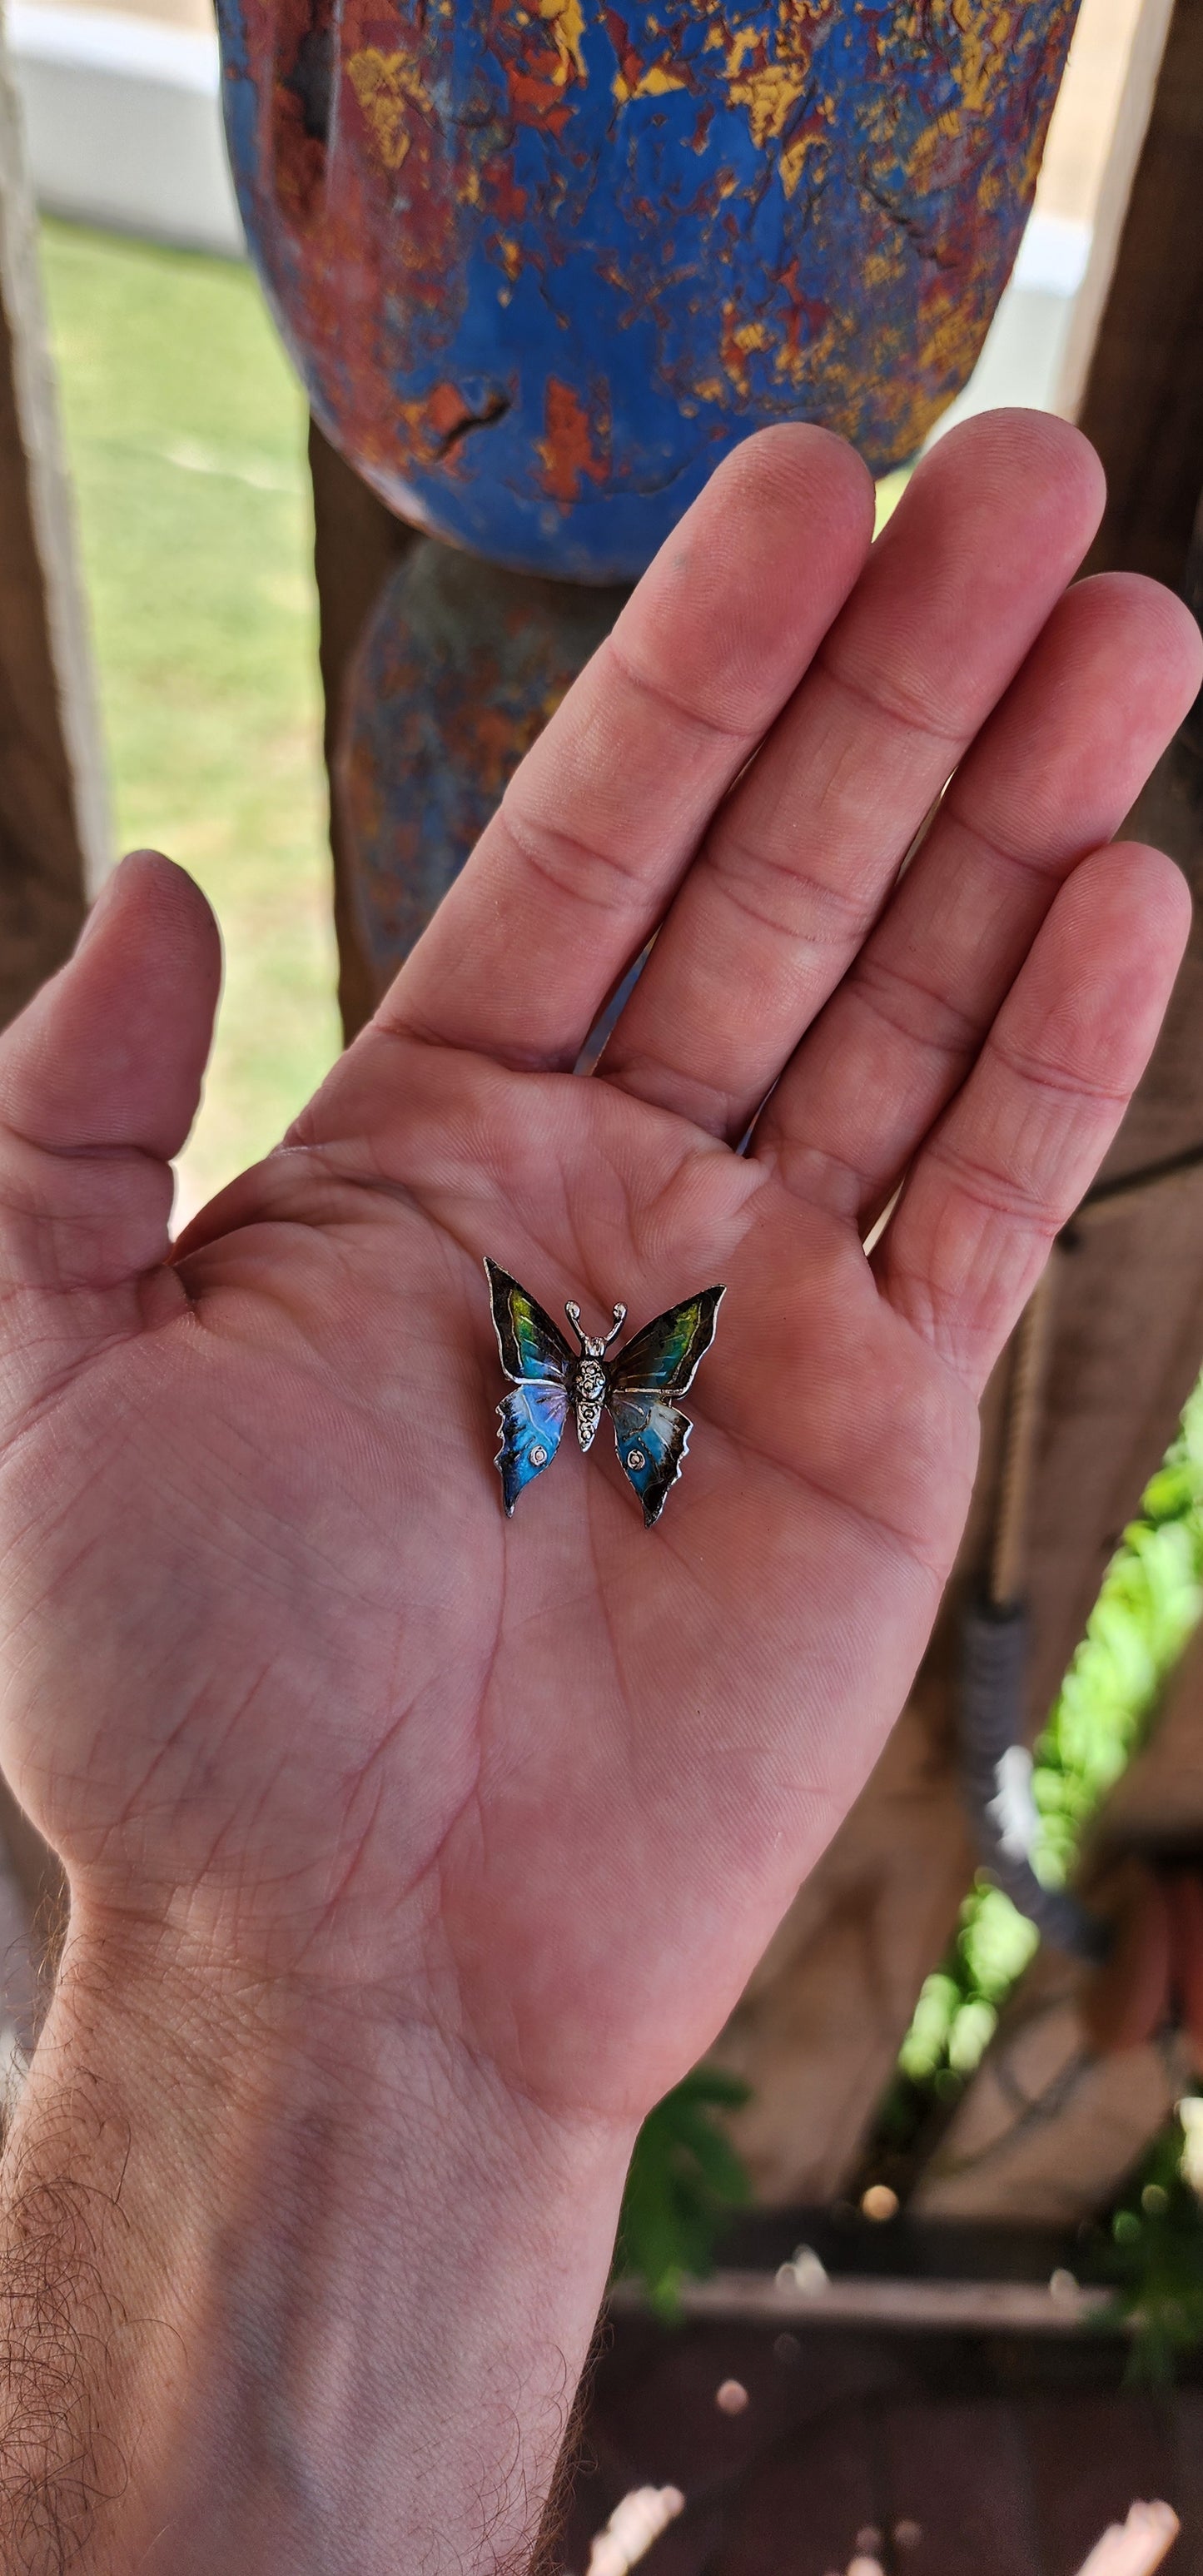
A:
(535, 1354)
(652, 1435)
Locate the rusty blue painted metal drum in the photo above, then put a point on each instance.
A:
(540, 266)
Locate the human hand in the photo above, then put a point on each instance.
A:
(252, 1493)
(295, 1703)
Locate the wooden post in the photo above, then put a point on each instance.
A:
(1111, 211)
(54, 833)
(54, 844)
(1141, 398)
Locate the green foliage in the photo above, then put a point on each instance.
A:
(684, 2182)
(1152, 2250)
(185, 431)
(957, 2010)
(1150, 1601)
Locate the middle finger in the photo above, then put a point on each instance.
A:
(802, 855)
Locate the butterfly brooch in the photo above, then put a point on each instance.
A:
(636, 1388)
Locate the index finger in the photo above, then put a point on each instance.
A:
(602, 819)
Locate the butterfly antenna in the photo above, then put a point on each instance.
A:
(573, 1312)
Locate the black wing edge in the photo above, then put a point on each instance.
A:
(682, 1377)
(670, 1474)
(501, 1288)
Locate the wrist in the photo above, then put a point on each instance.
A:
(343, 2280)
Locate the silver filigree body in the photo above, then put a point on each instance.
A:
(589, 1377)
(589, 1392)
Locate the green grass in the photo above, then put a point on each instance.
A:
(185, 433)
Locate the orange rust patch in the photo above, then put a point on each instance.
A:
(433, 420)
(540, 56)
(570, 448)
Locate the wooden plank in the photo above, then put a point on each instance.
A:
(947, 2455)
(1091, 2456)
(802, 2514)
(1141, 398)
(1187, 2489)
(959, 2482)
(659, 2409)
(1047, 2131)
(53, 818)
(913, 2305)
(54, 828)
(782, 2489)
(1133, 111)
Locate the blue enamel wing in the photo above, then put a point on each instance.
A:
(636, 1388)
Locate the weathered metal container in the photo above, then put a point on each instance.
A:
(541, 266)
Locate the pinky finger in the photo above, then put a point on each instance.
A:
(1013, 1155)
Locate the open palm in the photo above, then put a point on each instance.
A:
(278, 1671)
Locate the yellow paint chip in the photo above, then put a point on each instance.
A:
(386, 85)
(753, 335)
(567, 22)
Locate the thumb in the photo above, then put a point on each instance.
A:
(99, 1083)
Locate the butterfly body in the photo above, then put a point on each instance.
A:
(588, 1395)
(637, 1388)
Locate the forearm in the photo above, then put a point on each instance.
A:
(284, 2292)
